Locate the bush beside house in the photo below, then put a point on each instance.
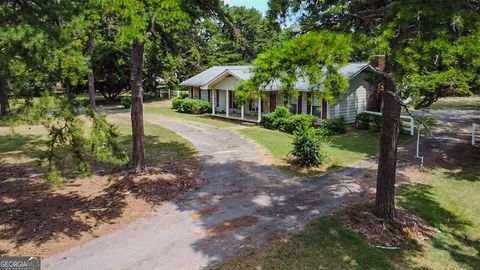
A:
(369, 121)
(194, 106)
(334, 126)
(282, 119)
(373, 122)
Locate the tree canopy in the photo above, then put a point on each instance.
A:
(316, 57)
(432, 46)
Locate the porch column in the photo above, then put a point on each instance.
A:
(227, 102)
(242, 113)
(212, 97)
(259, 109)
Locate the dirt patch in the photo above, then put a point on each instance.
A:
(39, 220)
(233, 224)
(403, 229)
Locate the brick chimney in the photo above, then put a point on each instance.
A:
(378, 62)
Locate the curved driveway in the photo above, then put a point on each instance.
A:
(241, 201)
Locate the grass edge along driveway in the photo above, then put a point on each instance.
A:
(340, 150)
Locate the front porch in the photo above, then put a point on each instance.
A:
(238, 116)
(224, 106)
(220, 92)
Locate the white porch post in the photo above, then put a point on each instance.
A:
(242, 112)
(212, 97)
(259, 107)
(227, 102)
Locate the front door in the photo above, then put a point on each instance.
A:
(273, 101)
(299, 103)
(324, 109)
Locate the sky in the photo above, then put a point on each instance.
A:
(261, 5)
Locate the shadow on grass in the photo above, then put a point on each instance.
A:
(452, 238)
(468, 157)
(324, 244)
(456, 249)
(419, 199)
(12, 145)
(159, 153)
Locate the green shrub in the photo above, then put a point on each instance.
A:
(283, 120)
(282, 124)
(195, 106)
(277, 119)
(363, 120)
(268, 121)
(281, 112)
(367, 120)
(376, 122)
(176, 102)
(299, 122)
(334, 126)
(306, 148)
(126, 102)
(83, 102)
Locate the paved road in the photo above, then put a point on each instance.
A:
(242, 201)
(452, 134)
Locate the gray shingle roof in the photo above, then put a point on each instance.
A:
(244, 73)
(206, 76)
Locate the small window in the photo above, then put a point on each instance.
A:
(293, 108)
(317, 111)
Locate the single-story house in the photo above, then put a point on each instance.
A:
(217, 85)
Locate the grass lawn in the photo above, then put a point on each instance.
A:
(164, 108)
(27, 143)
(472, 103)
(448, 202)
(340, 150)
(161, 145)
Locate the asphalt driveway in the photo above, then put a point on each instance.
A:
(241, 201)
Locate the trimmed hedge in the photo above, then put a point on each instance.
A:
(194, 106)
(374, 122)
(335, 126)
(283, 120)
(176, 102)
(367, 120)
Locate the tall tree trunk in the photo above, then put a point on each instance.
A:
(4, 104)
(387, 163)
(90, 77)
(136, 78)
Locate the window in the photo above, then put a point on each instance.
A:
(317, 111)
(293, 108)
